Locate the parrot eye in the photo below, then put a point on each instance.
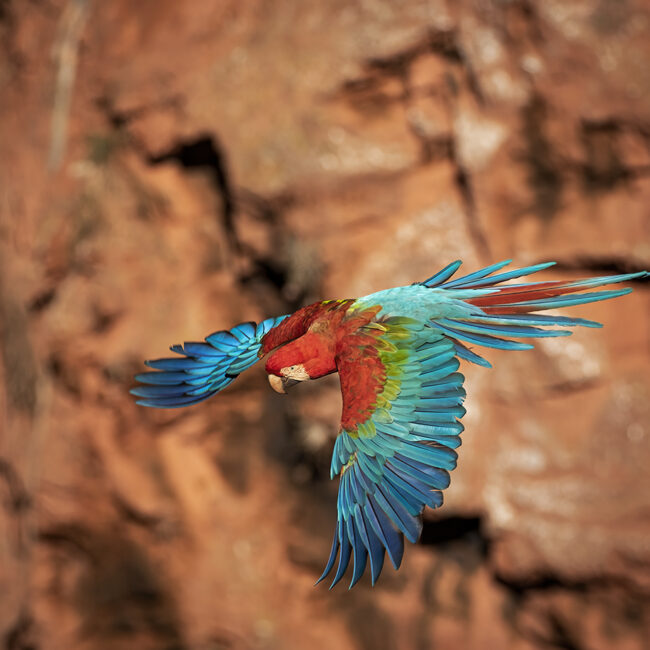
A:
(296, 372)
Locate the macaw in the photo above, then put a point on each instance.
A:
(397, 353)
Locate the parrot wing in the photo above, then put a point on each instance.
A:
(202, 369)
(402, 399)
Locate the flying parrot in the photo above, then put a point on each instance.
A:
(397, 353)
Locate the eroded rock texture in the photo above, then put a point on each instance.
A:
(171, 168)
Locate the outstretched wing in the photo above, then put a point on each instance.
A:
(402, 399)
(203, 369)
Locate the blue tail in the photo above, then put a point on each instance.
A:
(507, 310)
(204, 368)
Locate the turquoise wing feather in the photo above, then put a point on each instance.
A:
(403, 396)
(204, 368)
(402, 401)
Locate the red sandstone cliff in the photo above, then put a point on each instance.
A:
(168, 169)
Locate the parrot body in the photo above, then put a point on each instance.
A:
(397, 353)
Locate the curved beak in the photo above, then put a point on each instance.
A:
(281, 384)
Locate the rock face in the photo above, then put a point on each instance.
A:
(169, 169)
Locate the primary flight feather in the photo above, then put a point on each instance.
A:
(397, 353)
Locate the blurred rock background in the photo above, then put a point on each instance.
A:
(172, 168)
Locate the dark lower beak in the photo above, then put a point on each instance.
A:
(282, 384)
(288, 383)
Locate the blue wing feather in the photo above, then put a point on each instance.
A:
(390, 471)
(204, 368)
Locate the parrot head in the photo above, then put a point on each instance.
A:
(309, 357)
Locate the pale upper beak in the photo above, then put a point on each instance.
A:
(281, 384)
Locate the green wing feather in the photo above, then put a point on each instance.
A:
(396, 446)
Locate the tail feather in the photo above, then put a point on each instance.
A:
(534, 319)
(476, 275)
(509, 310)
(499, 329)
(486, 281)
(536, 296)
(539, 304)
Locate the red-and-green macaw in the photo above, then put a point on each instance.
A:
(397, 353)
